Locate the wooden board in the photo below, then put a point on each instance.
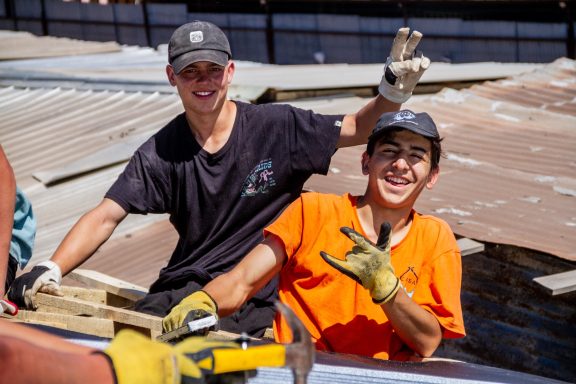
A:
(469, 246)
(558, 283)
(89, 325)
(94, 279)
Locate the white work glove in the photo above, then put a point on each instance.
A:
(403, 68)
(45, 277)
(8, 307)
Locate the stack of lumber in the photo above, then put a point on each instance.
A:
(101, 308)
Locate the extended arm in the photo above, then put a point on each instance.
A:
(402, 71)
(227, 292)
(7, 203)
(234, 288)
(88, 234)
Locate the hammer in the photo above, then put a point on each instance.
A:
(299, 353)
(230, 357)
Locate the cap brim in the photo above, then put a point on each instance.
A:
(403, 125)
(213, 56)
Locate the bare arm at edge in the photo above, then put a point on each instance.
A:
(7, 204)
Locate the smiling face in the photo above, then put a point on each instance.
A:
(399, 169)
(202, 86)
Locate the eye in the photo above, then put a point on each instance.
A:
(389, 151)
(417, 155)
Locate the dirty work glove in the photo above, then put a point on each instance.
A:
(8, 307)
(196, 306)
(138, 360)
(403, 67)
(369, 264)
(44, 277)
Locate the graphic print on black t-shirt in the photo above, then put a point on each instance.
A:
(260, 179)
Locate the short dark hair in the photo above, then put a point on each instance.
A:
(436, 145)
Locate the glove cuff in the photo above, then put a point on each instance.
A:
(387, 292)
(54, 271)
(204, 298)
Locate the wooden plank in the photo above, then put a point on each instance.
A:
(88, 325)
(558, 283)
(468, 246)
(110, 284)
(86, 308)
(93, 295)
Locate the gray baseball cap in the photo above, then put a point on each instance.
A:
(198, 41)
(420, 123)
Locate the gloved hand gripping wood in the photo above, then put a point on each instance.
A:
(193, 307)
(369, 263)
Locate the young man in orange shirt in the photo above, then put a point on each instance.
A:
(404, 293)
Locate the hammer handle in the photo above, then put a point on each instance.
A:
(232, 360)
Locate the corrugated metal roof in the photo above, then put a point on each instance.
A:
(509, 175)
(24, 45)
(142, 69)
(508, 178)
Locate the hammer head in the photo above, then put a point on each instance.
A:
(300, 352)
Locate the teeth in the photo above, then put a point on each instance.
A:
(397, 180)
(203, 93)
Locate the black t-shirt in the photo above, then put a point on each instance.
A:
(219, 203)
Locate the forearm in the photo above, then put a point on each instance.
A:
(418, 328)
(7, 203)
(232, 289)
(228, 293)
(24, 362)
(357, 127)
(40, 338)
(87, 235)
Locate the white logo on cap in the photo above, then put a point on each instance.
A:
(404, 115)
(196, 36)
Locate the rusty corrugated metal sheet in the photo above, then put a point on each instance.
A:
(508, 177)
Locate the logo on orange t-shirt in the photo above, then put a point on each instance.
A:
(409, 280)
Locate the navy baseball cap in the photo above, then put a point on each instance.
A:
(420, 123)
(198, 41)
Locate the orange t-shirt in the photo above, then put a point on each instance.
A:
(337, 311)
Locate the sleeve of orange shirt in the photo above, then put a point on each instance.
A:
(443, 277)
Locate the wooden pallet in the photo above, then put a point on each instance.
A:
(101, 308)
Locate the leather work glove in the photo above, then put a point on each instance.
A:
(196, 306)
(369, 264)
(8, 307)
(403, 67)
(44, 277)
(138, 360)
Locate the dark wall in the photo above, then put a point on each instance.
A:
(300, 32)
(511, 321)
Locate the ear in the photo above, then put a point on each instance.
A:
(171, 75)
(365, 161)
(231, 70)
(433, 177)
